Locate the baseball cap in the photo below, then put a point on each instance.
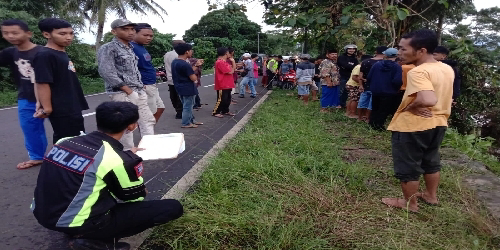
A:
(121, 23)
(391, 52)
(247, 55)
(305, 56)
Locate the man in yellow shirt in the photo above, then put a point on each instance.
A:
(354, 89)
(419, 125)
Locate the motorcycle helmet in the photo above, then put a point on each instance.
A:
(350, 46)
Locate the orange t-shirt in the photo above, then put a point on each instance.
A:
(437, 77)
(406, 68)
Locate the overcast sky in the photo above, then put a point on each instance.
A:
(183, 14)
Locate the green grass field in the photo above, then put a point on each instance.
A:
(298, 179)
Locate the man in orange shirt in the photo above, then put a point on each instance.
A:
(419, 125)
(406, 69)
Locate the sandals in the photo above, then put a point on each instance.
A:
(229, 114)
(218, 116)
(28, 164)
(190, 126)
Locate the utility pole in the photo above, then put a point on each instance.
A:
(258, 42)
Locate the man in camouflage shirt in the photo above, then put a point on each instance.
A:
(330, 81)
(118, 68)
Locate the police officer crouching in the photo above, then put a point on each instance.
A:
(82, 177)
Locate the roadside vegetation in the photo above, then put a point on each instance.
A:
(298, 179)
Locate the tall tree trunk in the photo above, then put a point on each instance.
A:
(439, 30)
(98, 39)
(306, 40)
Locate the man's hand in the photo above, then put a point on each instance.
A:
(361, 89)
(199, 62)
(135, 150)
(133, 97)
(41, 113)
(232, 60)
(423, 112)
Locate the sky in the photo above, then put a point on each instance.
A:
(177, 21)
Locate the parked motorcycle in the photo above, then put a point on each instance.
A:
(161, 74)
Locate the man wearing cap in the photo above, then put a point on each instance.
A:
(346, 63)
(304, 77)
(248, 66)
(118, 67)
(386, 80)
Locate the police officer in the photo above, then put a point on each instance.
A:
(82, 177)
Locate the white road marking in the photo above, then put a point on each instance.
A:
(88, 114)
(96, 94)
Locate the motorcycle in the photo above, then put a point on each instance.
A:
(161, 74)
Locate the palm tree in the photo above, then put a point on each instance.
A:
(96, 11)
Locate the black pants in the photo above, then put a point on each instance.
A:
(127, 219)
(382, 107)
(416, 153)
(66, 126)
(343, 93)
(197, 101)
(270, 79)
(223, 102)
(176, 102)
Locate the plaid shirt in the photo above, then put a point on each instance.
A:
(118, 66)
(328, 68)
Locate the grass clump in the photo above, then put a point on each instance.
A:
(298, 179)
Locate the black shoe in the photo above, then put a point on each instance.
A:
(252, 96)
(85, 244)
(242, 96)
(178, 116)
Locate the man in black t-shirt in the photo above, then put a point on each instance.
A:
(19, 59)
(365, 100)
(58, 89)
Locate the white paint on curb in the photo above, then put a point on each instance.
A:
(88, 114)
(186, 182)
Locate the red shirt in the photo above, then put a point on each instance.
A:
(223, 80)
(235, 74)
(255, 70)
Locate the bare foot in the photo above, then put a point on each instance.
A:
(29, 164)
(425, 197)
(399, 203)
(352, 116)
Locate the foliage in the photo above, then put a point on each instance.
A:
(227, 27)
(476, 147)
(280, 43)
(96, 11)
(205, 50)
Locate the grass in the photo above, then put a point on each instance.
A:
(207, 71)
(298, 179)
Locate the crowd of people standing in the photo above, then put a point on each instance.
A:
(83, 174)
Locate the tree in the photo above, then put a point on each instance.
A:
(96, 11)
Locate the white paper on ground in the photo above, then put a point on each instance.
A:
(163, 146)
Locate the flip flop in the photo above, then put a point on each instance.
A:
(198, 123)
(27, 164)
(423, 200)
(190, 126)
(219, 116)
(229, 114)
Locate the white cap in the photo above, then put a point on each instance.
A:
(247, 55)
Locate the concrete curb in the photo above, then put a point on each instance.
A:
(182, 186)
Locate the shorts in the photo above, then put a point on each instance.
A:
(354, 93)
(303, 89)
(416, 153)
(154, 100)
(365, 100)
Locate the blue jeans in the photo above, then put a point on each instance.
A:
(187, 109)
(365, 100)
(35, 139)
(329, 96)
(250, 82)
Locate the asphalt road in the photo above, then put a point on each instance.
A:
(18, 227)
